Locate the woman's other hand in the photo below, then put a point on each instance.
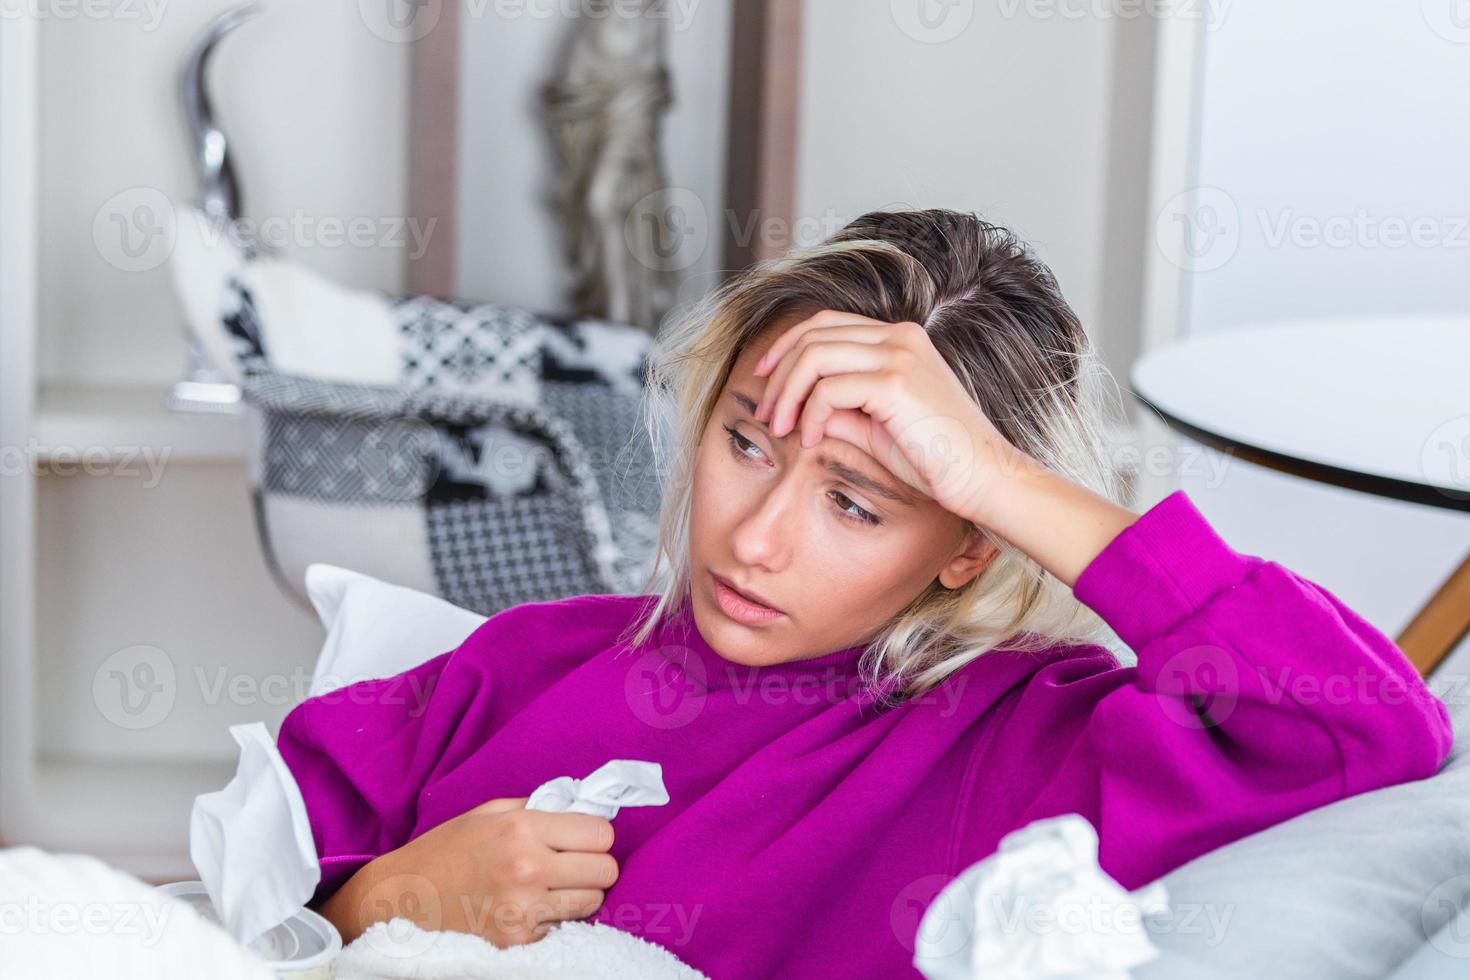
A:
(498, 871)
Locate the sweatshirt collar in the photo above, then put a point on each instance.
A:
(679, 640)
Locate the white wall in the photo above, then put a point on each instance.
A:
(1002, 113)
(1025, 112)
(315, 104)
(1336, 117)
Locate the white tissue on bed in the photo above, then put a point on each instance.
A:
(1039, 908)
(619, 783)
(251, 841)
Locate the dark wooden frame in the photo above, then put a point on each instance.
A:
(760, 177)
(434, 145)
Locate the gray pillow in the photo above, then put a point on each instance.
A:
(1352, 889)
(1445, 957)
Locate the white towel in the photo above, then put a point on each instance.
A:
(70, 915)
(400, 950)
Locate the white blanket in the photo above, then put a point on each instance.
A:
(400, 950)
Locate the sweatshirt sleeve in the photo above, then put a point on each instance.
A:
(361, 755)
(1258, 695)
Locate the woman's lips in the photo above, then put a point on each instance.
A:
(738, 607)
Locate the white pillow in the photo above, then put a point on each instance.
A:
(375, 629)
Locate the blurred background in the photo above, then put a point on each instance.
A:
(1188, 169)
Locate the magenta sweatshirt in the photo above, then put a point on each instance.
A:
(807, 829)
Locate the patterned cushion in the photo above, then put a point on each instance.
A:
(482, 452)
(512, 502)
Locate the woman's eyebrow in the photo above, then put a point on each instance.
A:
(746, 402)
(864, 482)
(857, 478)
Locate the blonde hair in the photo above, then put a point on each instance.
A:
(996, 314)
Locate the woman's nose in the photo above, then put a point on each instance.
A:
(768, 530)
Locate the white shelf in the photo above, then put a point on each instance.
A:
(148, 806)
(110, 420)
(181, 558)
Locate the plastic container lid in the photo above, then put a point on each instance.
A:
(303, 943)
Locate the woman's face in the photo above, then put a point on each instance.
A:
(826, 536)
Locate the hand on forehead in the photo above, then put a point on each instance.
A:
(745, 389)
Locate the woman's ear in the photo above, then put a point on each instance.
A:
(975, 553)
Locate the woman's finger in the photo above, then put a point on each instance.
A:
(581, 869)
(829, 414)
(805, 367)
(575, 831)
(574, 903)
(858, 391)
(848, 424)
(870, 336)
(825, 320)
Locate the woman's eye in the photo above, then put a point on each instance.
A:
(746, 451)
(843, 502)
(741, 446)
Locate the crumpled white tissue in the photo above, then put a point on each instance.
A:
(619, 783)
(251, 841)
(1039, 908)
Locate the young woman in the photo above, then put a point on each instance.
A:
(890, 553)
